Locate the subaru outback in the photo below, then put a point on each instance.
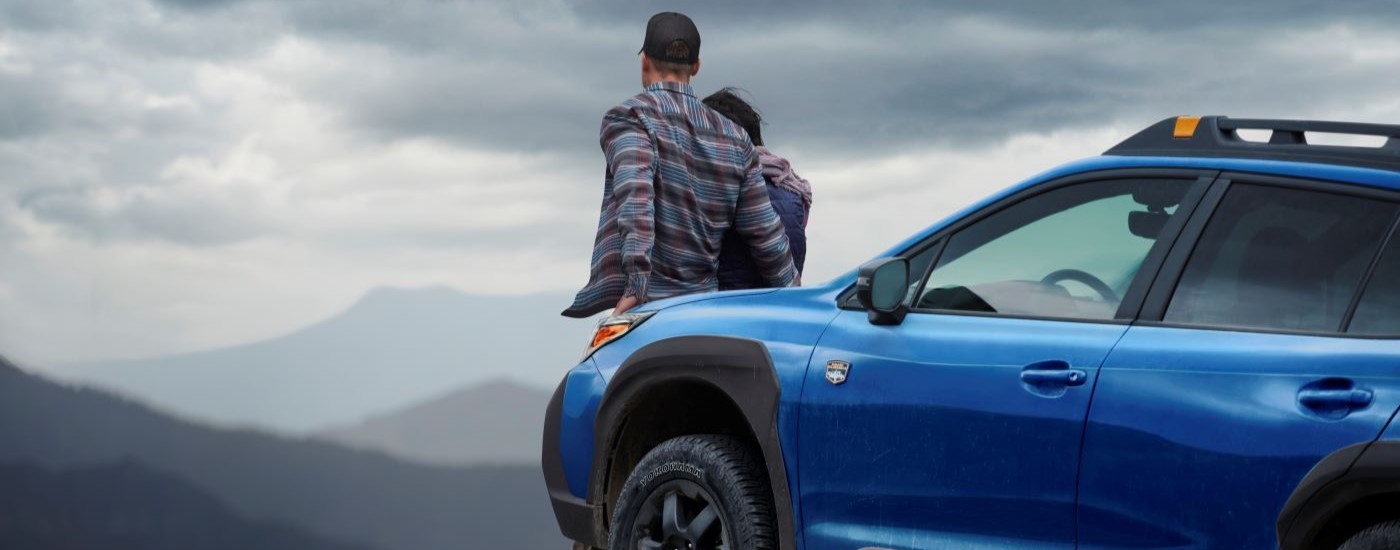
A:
(1191, 341)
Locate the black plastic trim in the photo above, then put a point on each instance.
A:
(1342, 478)
(1151, 267)
(1260, 330)
(1367, 276)
(938, 245)
(574, 515)
(1154, 306)
(739, 367)
(1216, 137)
(1319, 185)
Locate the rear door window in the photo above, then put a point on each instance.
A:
(1281, 259)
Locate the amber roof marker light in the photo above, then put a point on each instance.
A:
(1186, 127)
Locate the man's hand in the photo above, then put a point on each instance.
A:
(626, 303)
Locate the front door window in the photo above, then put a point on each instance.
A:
(1067, 253)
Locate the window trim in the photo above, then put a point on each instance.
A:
(1365, 283)
(1199, 182)
(1169, 276)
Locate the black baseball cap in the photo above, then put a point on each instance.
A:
(667, 27)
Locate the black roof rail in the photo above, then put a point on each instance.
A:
(1216, 136)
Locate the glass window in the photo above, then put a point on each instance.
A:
(1379, 310)
(1069, 252)
(1284, 259)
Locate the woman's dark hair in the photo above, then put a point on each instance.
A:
(728, 103)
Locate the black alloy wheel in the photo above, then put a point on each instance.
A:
(679, 515)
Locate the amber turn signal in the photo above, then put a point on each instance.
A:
(614, 327)
(606, 334)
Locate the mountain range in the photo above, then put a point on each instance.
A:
(391, 349)
(127, 506)
(328, 490)
(497, 422)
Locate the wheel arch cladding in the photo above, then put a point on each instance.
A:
(706, 369)
(1347, 491)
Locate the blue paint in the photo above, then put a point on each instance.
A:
(1215, 417)
(941, 438)
(583, 391)
(1392, 432)
(934, 436)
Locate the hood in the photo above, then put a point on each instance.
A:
(692, 298)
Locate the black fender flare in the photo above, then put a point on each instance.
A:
(1346, 476)
(741, 368)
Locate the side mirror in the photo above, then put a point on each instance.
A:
(881, 287)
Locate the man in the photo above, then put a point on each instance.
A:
(678, 177)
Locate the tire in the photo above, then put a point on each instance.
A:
(717, 477)
(1381, 536)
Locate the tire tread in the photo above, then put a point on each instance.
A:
(1381, 536)
(740, 474)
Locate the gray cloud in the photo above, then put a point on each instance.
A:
(1082, 14)
(24, 109)
(533, 76)
(239, 142)
(837, 76)
(194, 221)
(832, 76)
(198, 4)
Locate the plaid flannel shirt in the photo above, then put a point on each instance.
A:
(679, 176)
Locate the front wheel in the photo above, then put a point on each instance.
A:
(696, 492)
(1382, 536)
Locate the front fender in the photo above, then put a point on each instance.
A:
(740, 368)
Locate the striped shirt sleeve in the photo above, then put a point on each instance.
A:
(630, 157)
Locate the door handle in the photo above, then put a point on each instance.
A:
(1335, 398)
(1051, 377)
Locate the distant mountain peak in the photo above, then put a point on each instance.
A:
(492, 422)
(393, 347)
(430, 291)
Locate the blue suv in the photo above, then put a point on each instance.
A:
(1192, 341)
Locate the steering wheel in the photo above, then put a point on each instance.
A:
(1094, 283)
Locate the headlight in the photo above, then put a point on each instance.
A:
(614, 327)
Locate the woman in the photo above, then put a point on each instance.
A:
(790, 194)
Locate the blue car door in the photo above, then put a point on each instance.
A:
(962, 426)
(1247, 367)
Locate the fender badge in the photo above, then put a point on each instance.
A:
(836, 372)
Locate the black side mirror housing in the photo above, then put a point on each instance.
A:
(881, 288)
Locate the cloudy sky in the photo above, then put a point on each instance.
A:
(181, 174)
